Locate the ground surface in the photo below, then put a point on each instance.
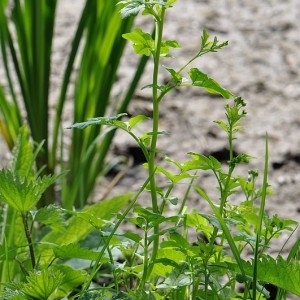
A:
(261, 64)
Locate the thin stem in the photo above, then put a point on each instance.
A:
(97, 264)
(28, 237)
(159, 22)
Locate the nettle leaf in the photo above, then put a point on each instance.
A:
(75, 251)
(202, 80)
(132, 8)
(110, 121)
(52, 216)
(283, 274)
(143, 42)
(71, 280)
(20, 193)
(42, 284)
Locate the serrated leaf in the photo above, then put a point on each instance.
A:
(277, 272)
(202, 80)
(20, 193)
(71, 280)
(75, 251)
(143, 42)
(51, 216)
(42, 284)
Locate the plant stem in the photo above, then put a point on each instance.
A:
(159, 22)
(28, 237)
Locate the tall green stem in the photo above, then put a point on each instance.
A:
(159, 22)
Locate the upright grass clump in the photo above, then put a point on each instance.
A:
(26, 37)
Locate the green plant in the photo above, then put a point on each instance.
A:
(26, 35)
(187, 254)
(196, 272)
(33, 250)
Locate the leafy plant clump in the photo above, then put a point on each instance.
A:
(85, 254)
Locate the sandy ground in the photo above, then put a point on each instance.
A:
(261, 64)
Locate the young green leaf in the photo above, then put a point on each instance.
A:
(176, 77)
(202, 80)
(143, 42)
(136, 120)
(166, 45)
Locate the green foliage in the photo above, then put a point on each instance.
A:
(26, 36)
(178, 253)
(20, 193)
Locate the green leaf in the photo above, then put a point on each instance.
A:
(111, 121)
(143, 42)
(166, 45)
(42, 284)
(174, 178)
(79, 228)
(71, 280)
(180, 276)
(52, 216)
(136, 120)
(132, 8)
(75, 251)
(152, 218)
(277, 272)
(177, 78)
(21, 193)
(202, 80)
(201, 162)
